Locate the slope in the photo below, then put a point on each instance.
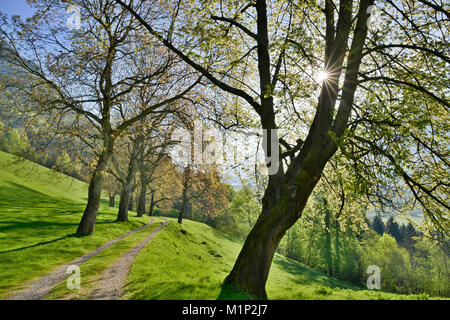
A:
(39, 213)
(192, 260)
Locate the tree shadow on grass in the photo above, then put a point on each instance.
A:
(104, 202)
(216, 233)
(38, 224)
(39, 243)
(8, 226)
(20, 196)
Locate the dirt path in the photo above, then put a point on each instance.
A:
(112, 281)
(40, 287)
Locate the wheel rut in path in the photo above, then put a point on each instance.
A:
(112, 281)
(39, 288)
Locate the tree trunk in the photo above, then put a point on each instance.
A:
(279, 213)
(250, 272)
(124, 202)
(126, 198)
(183, 206)
(87, 222)
(283, 204)
(150, 211)
(186, 174)
(112, 200)
(337, 248)
(142, 200)
(131, 202)
(144, 182)
(328, 253)
(152, 204)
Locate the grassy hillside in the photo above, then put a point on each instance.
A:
(193, 265)
(39, 213)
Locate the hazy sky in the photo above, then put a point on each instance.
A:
(16, 7)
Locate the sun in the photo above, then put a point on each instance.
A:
(322, 76)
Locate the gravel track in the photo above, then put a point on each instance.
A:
(113, 279)
(40, 287)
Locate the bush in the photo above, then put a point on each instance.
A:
(394, 262)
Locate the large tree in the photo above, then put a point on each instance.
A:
(366, 81)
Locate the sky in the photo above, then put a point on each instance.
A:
(16, 7)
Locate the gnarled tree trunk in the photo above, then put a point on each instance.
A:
(283, 203)
(87, 222)
(143, 192)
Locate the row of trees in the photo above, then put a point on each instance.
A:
(96, 85)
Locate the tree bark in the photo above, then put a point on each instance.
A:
(283, 204)
(87, 222)
(143, 180)
(112, 199)
(183, 207)
(328, 252)
(126, 200)
(131, 202)
(281, 209)
(142, 199)
(152, 204)
(186, 174)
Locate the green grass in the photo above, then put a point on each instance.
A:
(92, 269)
(194, 265)
(39, 214)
